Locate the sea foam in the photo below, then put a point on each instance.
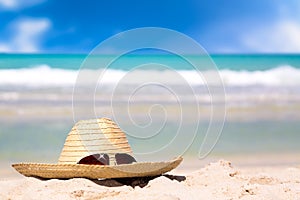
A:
(45, 76)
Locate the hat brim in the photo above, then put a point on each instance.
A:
(63, 171)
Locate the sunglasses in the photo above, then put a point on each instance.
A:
(103, 159)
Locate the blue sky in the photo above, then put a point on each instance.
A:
(66, 26)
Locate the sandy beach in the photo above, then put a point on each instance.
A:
(217, 180)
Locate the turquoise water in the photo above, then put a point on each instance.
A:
(73, 61)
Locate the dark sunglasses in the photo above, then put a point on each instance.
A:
(103, 159)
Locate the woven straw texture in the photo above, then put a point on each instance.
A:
(96, 171)
(89, 137)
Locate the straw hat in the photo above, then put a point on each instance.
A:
(96, 139)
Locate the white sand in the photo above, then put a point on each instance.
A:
(216, 181)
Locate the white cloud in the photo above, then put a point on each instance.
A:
(4, 48)
(282, 37)
(8, 4)
(17, 4)
(26, 35)
(277, 31)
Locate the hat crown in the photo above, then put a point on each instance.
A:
(94, 136)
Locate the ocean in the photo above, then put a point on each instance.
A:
(166, 106)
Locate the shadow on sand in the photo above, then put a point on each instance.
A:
(135, 181)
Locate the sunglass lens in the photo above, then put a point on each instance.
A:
(123, 158)
(95, 159)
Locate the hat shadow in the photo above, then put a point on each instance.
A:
(131, 181)
(134, 181)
